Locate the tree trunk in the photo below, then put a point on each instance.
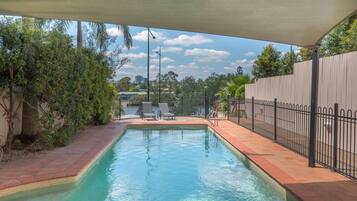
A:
(30, 117)
(79, 35)
(10, 118)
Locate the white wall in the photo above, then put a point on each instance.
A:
(337, 83)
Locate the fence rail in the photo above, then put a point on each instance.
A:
(288, 125)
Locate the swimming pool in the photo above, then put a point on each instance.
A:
(164, 164)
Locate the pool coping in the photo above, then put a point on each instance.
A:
(253, 166)
(5, 192)
(119, 128)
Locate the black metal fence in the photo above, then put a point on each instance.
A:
(183, 105)
(288, 125)
(190, 106)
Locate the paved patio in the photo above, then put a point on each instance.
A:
(67, 164)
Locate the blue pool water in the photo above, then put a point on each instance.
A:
(166, 164)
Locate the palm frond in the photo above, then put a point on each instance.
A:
(40, 23)
(61, 25)
(128, 40)
(101, 34)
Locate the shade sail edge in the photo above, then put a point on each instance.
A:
(297, 22)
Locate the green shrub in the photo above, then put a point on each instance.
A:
(74, 84)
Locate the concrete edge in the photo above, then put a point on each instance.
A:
(290, 196)
(63, 180)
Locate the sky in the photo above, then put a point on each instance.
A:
(187, 53)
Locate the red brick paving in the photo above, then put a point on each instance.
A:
(285, 166)
(63, 162)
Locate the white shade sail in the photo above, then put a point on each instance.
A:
(299, 22)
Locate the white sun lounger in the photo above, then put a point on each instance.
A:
(147, 110)
(165, 112)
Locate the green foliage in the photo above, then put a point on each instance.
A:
(169, 80)
(74, 83)
(235, 88)
(305, 54)
(71, 85)
(267, 63)
(124, 84)
(137, 100)
(117, 108)
(13, 46)
(349, 41)
(287, 62)
(271, 62)
(341, 39)
(12, 58)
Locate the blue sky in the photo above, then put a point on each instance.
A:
(188, 53)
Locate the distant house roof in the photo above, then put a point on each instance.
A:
(299, 22)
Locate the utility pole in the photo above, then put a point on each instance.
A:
(148, 64)
(159, 53)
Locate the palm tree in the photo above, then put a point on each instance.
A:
(235, 88)
(102, 35)
(99, 28)
(79, 34)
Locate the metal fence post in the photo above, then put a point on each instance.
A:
(206, 106)
(238, 110)
(182, 105)
(313, 105)
(228, 108)
(253, 113)
(335, 130)
(275, 119)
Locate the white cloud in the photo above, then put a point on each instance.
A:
(243, 62)
(191, 65)
(125, 49)
(154, 67)
(192, 69)
(128, 65)
(164, 60)
(228, 68)
(143, 36)
(186, 40)
(140, 55)
(169, 49)
(250, 54)
(207, 55)
(114, 32)
(171, 67)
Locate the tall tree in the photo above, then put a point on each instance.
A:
(267, 63)
(101, 34)
(170, 79)
(341, 39)
(287, 62)
(305, 54)
(12, 63)
(139, 79)
(124, 84)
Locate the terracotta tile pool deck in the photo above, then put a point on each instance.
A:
(68, 164)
